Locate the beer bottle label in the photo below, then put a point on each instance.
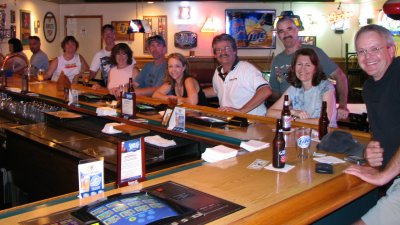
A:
(286, 122)
(282, 155)
(127, 104)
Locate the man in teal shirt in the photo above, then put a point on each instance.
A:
(288, 34)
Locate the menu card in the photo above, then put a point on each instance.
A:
(131, 162)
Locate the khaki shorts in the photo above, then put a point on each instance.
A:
(387, 209)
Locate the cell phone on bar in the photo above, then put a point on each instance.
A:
(355, 160)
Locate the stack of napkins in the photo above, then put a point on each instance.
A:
(106, 111)
(217, 153)
(253, 145)
(157, 140)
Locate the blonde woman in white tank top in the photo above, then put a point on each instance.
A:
(70, 62)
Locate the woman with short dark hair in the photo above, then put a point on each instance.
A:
(122, 68)
(70, 62)
(309, 87)
(16, 61)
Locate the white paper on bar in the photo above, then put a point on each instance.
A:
(157, 140)
(109, 128)
(254, 145)
(106, 111)
(329, 160)
(217, 153)
(285, 169)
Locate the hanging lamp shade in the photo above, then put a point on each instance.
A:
(392, 9)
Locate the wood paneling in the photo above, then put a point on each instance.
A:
(203, 67)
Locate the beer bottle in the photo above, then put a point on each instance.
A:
(130, 87)
(128, 102)
(25, 81)
(323, 122)
(285, 116)
(278, 147)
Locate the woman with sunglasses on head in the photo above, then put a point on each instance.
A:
(179, 84)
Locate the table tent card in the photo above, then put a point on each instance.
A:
(91, 177)
(177, 120)
(131, 162)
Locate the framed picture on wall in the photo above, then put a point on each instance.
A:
(158, 26)
(13, 31)
(308, 40)
(121, 31)
(25, 26)
(251, 28)
(12, 16)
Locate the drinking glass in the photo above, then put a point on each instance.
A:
(75, 97)
(40, 75)
(85, 78)
(303, 140)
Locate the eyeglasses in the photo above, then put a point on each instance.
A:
(225, 49)
(372, 51)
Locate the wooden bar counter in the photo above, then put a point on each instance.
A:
(299, 196)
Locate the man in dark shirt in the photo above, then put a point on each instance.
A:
(376, 55)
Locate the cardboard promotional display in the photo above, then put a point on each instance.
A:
(131, 162)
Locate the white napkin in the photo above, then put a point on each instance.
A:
(253, 145)
(159, 141)
(285, 169)
(109, 128)
(217, 153)
(106, 111)
(329, 160)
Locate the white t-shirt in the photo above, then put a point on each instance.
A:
(239, 87)
(119, 76)
(70, 67)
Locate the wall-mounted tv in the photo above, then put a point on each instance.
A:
(251, 28)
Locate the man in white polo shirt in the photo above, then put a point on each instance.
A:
(239, 85)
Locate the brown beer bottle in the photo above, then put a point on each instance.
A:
(128, 102)
(278, 147)
(286, 116)
(130, 87)
(323, 121)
